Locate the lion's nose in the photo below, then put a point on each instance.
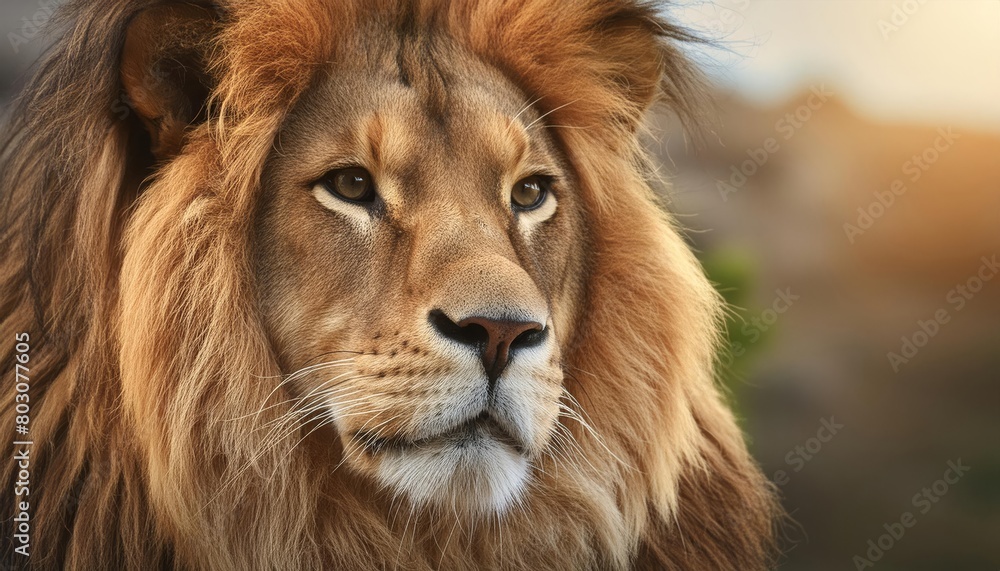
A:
(495, 339)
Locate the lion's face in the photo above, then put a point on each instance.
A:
(419, 257)
(292, 267)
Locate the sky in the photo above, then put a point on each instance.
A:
(929, 61)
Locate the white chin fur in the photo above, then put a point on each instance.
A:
(481, 477)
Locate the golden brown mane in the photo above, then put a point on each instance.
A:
(148, 358)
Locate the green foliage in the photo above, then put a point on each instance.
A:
(732, 273)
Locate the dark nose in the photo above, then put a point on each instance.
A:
(495, 339)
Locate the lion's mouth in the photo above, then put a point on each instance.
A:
(483, 427)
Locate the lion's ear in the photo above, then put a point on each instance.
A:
(642, 51)
(164, 71)
(603, 63)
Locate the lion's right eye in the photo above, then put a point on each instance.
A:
(529, 193)
(353, 184)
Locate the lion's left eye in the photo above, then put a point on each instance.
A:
(353, 184)
(529, 193)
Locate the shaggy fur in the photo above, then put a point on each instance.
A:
(128, 254)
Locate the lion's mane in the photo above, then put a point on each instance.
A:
(148, 357)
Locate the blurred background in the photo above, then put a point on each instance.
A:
(847, 204)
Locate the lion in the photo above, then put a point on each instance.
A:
(361, 284)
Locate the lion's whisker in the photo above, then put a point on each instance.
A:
(302, 369)
(293, 399)
(549, 112)
(323, 390)
(285, 425)
(562, 438)
(297, 418)
(572, 414)
(297, 409)
(527, 106)
(565, 445)
(301, 372)
(586, 425)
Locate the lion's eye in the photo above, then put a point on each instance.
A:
(353, 184)
(529, 193)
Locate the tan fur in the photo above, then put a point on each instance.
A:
(177, 293)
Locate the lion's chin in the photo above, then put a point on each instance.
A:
(474, 471)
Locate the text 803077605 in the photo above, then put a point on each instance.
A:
(22, 445)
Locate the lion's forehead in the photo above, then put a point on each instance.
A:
(465, 128)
